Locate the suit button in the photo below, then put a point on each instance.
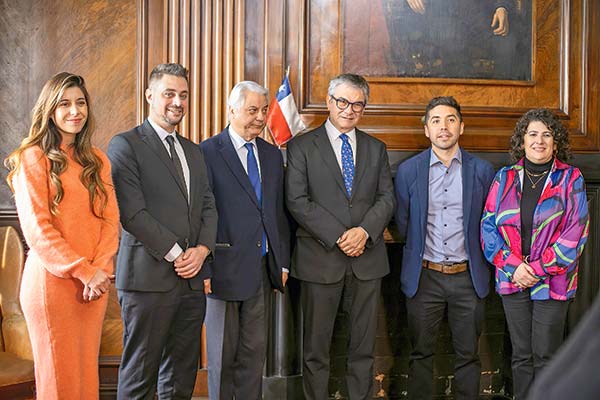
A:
(350, 205)
(258, 244)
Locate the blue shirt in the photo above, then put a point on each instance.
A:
(445, 239)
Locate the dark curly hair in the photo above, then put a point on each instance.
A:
(548, 118)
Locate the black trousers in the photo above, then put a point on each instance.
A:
(536, 330)
(425, 312)
(320, 304)
(161, 342)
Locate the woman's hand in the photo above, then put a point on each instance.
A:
(97, 286)
(524, 277)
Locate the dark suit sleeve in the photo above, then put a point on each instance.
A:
(282, 220)
(403, 203)
(377, 218)
(311, 216)
(208, 228)
(135, 218)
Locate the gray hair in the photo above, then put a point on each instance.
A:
(356, 81)
(237, 97)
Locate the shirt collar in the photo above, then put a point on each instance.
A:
(433, 159)
(237, 140)
(162, 134)
(334, 134)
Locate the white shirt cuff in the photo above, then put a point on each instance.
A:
(175, 252)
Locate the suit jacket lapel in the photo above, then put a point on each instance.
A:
(423, 189)
(232, 160)
(150, 137)
(468, 177)
(324, 148)
(361, 159)
(266, 168)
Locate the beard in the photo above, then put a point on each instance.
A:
(173, 115)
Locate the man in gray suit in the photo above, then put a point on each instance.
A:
(169, 224)
(339, 190)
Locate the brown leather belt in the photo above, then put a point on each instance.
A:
(446, 268)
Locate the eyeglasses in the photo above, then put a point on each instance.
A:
(342, 104)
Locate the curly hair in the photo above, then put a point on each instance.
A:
(548, 118)
(44, 134)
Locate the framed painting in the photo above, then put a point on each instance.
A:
(455, 39)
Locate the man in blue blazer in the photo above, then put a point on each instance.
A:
(440, 194)
(252, 250)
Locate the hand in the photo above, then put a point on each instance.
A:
(352, 242)
(97, 286)
(500, 18)
(207, 287)
(284, 277)
(524, 276)
(417, 6)
(189, 263)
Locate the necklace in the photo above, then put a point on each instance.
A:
(539, 177)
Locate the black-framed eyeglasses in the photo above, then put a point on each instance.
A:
(342, 104)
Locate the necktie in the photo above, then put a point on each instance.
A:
(254, 177)
(347, 164)
(176, 162)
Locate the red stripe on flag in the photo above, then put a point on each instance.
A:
(280, 130)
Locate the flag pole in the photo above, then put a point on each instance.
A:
(287, 71)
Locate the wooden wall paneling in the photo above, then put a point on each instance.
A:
(254, 40)
(206, 66)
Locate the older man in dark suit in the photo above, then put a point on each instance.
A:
(169, 226)
(252, 253)
(339, 190)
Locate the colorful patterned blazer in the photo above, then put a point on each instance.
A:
(560, 230)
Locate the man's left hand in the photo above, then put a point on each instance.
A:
(188, 264)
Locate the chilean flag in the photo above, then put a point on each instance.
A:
(283, 119)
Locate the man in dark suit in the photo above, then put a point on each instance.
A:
(252, 251)
(169, 224)
(339, 190)
(440, 194)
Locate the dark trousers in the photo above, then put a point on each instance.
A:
(425, 312)
(320, 304)
(536, 330)
(161, 342)
(236, 345)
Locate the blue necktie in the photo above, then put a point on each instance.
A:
(347, 164)
(254, 177)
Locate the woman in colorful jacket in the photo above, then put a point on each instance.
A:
(534, 226)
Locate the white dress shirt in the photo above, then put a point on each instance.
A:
(336, 142)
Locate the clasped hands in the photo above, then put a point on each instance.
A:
(188, 264)
(97, 286)
(524, 276)
(353, 241)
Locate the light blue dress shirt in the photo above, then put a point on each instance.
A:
(445, 239)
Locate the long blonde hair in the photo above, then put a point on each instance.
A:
(44, 134)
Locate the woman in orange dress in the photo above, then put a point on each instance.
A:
(69, 216)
